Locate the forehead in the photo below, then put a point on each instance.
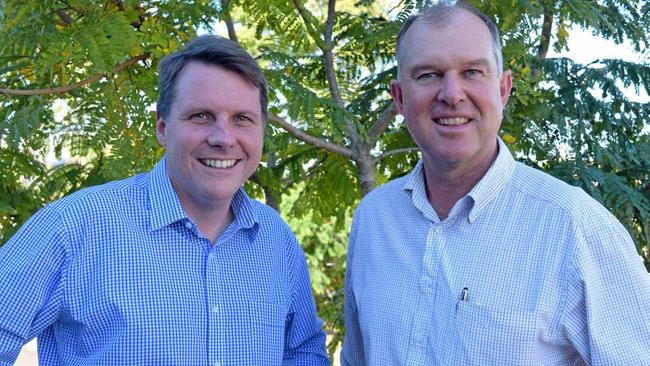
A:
(204, 74)
(199, 82)
(463, 37)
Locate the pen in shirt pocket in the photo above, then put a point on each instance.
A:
(463, 298)
(464, 295)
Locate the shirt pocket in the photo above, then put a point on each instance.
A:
(266, 321)
(491, 336)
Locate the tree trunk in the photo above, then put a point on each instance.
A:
(366, 173)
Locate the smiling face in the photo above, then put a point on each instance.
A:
(450, 92)
(212, 136)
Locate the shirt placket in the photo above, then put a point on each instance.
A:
(418, 353)
(213, 295)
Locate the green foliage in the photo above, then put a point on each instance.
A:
(325, 245)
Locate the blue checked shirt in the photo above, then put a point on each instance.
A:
(526, 270)
(119, 275)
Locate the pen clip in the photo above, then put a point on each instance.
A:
(464, 295)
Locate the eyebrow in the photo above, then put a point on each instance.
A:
(480, 62)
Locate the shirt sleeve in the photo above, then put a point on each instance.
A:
(608, 298)
(32, 266)
(352, 353)
(304, 335)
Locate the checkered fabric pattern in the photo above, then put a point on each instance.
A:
(119, 275)
(526, 270)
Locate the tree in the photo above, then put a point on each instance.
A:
(334, 134)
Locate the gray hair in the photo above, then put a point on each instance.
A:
(438, 15)
(211, 50)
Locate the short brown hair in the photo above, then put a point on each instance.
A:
(211, 50)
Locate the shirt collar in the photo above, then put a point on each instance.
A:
(493, 181)
(483, 192)
(415, 184)
(246, 216)
(166, 207)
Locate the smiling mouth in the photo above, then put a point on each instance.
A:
(456, 121)
(218, 164)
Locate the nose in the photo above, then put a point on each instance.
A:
(451, 91)
(221, 134)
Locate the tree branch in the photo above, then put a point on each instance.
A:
(68, 88)
(380, 125)
(119, 4)
(65, 17)
(309, 21)
(329, 57)
(545, 40)
(268, 195)
(228, 20)
(312, 140)
(403, 150)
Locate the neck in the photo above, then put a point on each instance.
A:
(447, 184)
(212, 219)
(212, 227)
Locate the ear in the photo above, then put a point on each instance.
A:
(396, 93)
(160, 129)
(505, 85)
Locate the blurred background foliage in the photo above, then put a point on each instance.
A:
(78, 86)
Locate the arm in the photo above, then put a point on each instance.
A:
(304, 335)
(352, 353)
(32, 266)
(606, 312)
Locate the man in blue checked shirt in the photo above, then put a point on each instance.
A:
(473, 258)
(177, 266)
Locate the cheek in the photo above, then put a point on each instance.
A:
(255, 149)
(418, 100)
(253, 141)
(181, 148)
(490, 98)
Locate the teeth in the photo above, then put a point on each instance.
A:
(452, 121)
(219, 164)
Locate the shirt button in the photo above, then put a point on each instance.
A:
(419, 339)
(215, 309)
(188, 225)
(426, 285)
(217, 363)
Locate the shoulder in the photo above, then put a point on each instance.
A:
(278, 241)
(65, 221)
(586, 213)
(386, 195)
(102, 207)
(268, 217)
(91, 199)
(271, 226)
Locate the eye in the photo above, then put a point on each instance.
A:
(427, 76)
(201, 116)
(242, 119)
(473, 72)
